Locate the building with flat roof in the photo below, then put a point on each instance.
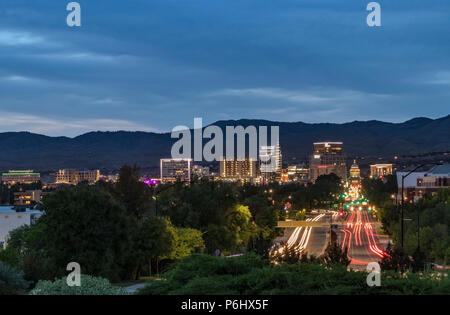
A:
(173, 170)
(20, 177)
(73, 177)
(12, 218)
(380, 170)
(417, 184)
(270, 161)
(27, 198)
(298, 173)
(235, 169)
(327, 158)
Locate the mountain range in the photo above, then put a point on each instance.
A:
(110, 150)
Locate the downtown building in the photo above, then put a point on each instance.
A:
(74, 177)
(20, 177)
(355, 175)
(245, 170)
(270, 162)
(298, 173)
(173, 170)
(380, 170)
(418, 184)
(327, 158)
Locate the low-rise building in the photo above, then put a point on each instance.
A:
(27, 198)
(12, 218)
(201, 171)
(20, 177)
(73, 177)
(380, 170)
(298, 173)
(417, 184)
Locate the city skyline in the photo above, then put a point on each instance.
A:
(154, 65)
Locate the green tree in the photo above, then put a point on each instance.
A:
(156, 239)
(395, 259)
(11, 281)
(133, 194)
(85, 225)
(187, 241)
(334, 254)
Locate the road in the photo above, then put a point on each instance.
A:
(311, 240)
(357, 234)
(359, 237)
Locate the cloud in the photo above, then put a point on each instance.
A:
(163, 64)
(440, 78)
(15, 38)
(311, 96)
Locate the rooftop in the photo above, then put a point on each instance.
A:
(441, 170)
(10, 210)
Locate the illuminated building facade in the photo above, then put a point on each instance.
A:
(355, 175)
(73, 177)
(237, 170)
(26, 198)
(20, 177)
(418, 184)
(173, 170)
(201, 171)
(380, 170)
(270, 161)
(327, 158)
(298, 173)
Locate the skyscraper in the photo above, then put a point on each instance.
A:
(271, 162)
(327, 158)
(237, 170)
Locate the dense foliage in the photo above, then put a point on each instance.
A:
(249, 274)
(426, 234)
(11, 281)
(89, 286)
(124, 230)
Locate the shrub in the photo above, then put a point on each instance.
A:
(248, 275)
(11, 281)
(89, 286)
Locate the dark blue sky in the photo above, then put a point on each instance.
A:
(154, 64)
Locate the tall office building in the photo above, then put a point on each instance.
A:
(270, 161)
(173, 170)
(327, 158)
(73, 177)
(237, 170)
(20, 177)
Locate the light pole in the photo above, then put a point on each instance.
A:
(403, 199)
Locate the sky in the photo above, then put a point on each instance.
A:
(151, 65)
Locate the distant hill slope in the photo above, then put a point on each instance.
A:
(110, 150)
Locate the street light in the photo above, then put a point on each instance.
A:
(403, 198)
